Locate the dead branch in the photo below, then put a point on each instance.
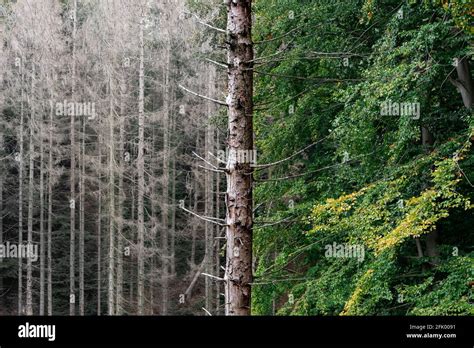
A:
(216, 63)
(212, 169)
(208, 219)
(205, 310)
(213, 277)
(204, 160)
(218, 159)
(203, 96)
(188, 291)
(200, 21)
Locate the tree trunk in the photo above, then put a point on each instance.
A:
(166, 179)
(99, 228)
(217, 262)
(194, 226)
(20, 193)
(2, 174)
(141, 178)
(238, 275)
(173, 206)
(81, 219)
(111, 192)
(464, 82)
(132, 284)
(209, 194)
(50, 213)
(29, 264)
(121, 195)
(72, 202)
(41, 193)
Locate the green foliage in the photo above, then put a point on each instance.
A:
(372, 180)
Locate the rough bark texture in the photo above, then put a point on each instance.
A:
(238, 275)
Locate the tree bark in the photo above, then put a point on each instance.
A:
(50, 213)
(41, 194)
(217, 262)
(121, 195)
(238, 276)
(173, 206)
(111, 192)
(165, 213)
(209, 194)
(81, 218)
(99, 227)
(141, 178)
(2, 174)
(72, 205)
(29, 264)
(20, 192)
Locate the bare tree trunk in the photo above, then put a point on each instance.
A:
(111, 191)
(151, 282)
(99, 228)
(195, 208)
(81, 219)
(166, 179)
(141, 178)
(238, 275)
(41, 193)
(72, 205)
(2, 174)
(173, 209)
(121, 194)
(154, 226)
(132, 284)
(29, 265)
(209, 195)
(20, 193)
(217, 263)
(50, 213)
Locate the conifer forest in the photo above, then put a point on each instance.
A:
(236, 158)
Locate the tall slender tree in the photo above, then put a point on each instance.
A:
(239, 219)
